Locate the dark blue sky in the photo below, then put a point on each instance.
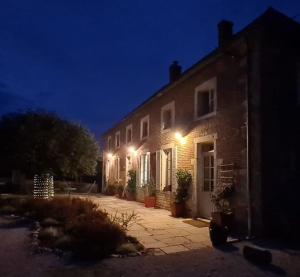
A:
(94, 61)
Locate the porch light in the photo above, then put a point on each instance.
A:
(180, 138)
(109, 155)
(132, 150)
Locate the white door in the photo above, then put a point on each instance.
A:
(206, 178)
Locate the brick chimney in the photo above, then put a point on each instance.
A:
(174, 72)
(225, 32)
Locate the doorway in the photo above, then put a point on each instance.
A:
(206, 176)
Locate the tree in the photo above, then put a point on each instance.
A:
(36, 142)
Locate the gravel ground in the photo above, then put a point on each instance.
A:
(18, 260)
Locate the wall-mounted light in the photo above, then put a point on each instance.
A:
(109, 155)
(180, 138)
(132, 150)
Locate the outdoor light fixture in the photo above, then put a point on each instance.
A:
(132, 150)
(180, 138)
(109, 155)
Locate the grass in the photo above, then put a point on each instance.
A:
(72, 224)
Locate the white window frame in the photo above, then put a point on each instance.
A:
(144, 119)
(144, 169)
(170, 106)
(118, 134)
(209, 85)
(109, 145)
(128, 127)
(117, 169)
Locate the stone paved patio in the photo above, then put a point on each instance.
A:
(156, 228)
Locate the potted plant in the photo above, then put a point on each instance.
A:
(131, 185)
(184, 180)
(223, 216)
(150, 192)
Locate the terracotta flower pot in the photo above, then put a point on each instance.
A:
(178, 209)
(150, 201)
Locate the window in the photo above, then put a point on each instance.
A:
(209, 168)
(168, 116)
(117, 139)
(117, 169)
(145, 127)
(129, 134)
(109, 143)
(205, 99)
(144, 169)
(107, 171)
(166, 169)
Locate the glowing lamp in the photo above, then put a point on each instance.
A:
(109, 155)
(180, 138)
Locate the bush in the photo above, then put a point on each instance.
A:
(131, 183)
(184, 180)
(83, 228)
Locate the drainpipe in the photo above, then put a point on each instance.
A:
(249, 219)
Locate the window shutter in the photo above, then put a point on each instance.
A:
(174, 168)
(148, 167)
(138, 168)
(158, 170)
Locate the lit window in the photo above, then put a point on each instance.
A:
(205, 99)
(144, 169)
(145, 127)
(167, 116)
(129, 134)
(166, 169)
(118, 139)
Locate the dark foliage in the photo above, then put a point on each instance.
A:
(34, 142)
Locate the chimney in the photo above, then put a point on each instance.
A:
(174, 71)
(225, 32)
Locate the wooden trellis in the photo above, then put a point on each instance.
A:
(225, 174)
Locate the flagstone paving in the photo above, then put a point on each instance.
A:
(156, 228)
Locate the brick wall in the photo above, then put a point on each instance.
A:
(140, 194)
(228, 124)
(163, 200)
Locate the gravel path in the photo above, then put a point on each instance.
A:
(17, 260)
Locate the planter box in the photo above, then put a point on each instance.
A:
(178, 209)
(150, 201)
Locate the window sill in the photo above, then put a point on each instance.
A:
(206, 116)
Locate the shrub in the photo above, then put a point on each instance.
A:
(94, 237)
(184, 180)
(131, 183)
(82, 227)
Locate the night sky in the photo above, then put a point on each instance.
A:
(93, 61)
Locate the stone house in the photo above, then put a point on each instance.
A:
(231, 117)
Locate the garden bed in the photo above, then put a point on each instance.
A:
(76, 226)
